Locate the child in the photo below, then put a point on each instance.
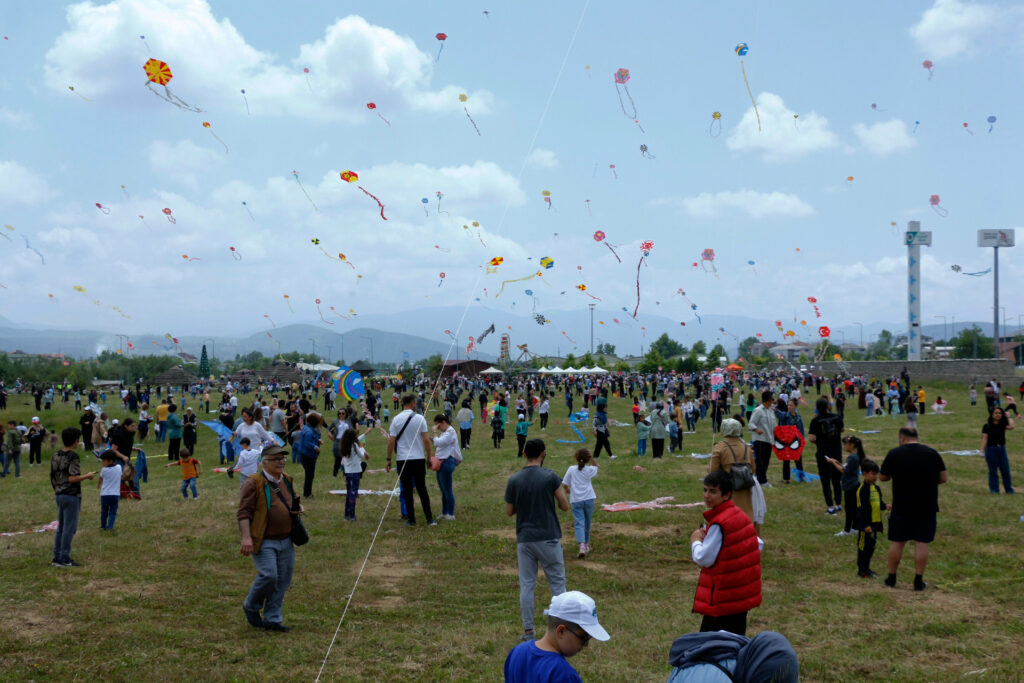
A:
(974, 396)
(248, 461)
(190, 470)
(352, 457)
(522, 431)
(578, 484)
(497, 429)
(643, 431)
(572, 622)
(673, 436)
(869, 518)
(386, 414)
(636, 410)
(110, 490)
(854, 449)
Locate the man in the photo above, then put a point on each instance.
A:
(122, 443)
(264, 520)
(161, 420)
(66, 478)
(531, 495)
(277, 418)
(916, 471)
(729, 552)
(762, 424)
(411, 445)
(572, 622)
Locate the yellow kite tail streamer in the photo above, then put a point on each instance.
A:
(744, 70)
(518, 279)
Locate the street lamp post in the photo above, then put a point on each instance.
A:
(370, 339)
(591, 327)
(861, 326)
(329, 354)
(944, 337)
(313, 342)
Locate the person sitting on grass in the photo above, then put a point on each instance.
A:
(572, 623)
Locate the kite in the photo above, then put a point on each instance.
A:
(547, 262)
(916, 124)
(571, 340)
(823, 332)
(125, 190)
(249, 212)
(426, 201)
(317, 302)
(441, 37)
(621, 78)
(614, 174)
(547, 198)
(440, 248)
(741, 51)
(849, 179)
(52, 298)
(752, 266)
(645, 251)
(493, 264)
(170, 216)
(486, 332)
(158, 72)
(206, 125)
(143, 219)
(441, 280)
(143, 39)
(344, 317)
(31, 248)
(463, 98)
(876, 107)
(812, 300)
(190, 258)
(235, 254)
(927, 64)
(955, 268)
(787, 442)
(708, 256)
(968, 129)
(276, 342)
(588, 207)
(102, 208)
(440, 196)
(246, 103)
(287, 300)
(371, 106)
(348, 263)
(305, 70)
(991, 122)
(645, 153)
(958, 269)
(936, 206)
(348, 383)
(296, 176)
(583, 288)
(539, 319)
(715, 129)
(72, 89)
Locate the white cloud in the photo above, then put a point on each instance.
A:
(781, 136)
(884, 138)
(14, 119)
(544, 158)
(352, 64)
(754, 204)
(21, 186)
(951, 27)
(182, 162)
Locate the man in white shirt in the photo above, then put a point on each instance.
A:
(762, 424)
(411, 445)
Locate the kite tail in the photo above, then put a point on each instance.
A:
(623, 105)
(637, 307)
(221, 142)
(613, 252)
(384, 120)
(756, 113)
(376, 200)
(303, 188)
(471, 120)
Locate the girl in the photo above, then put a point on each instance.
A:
(910, 408)
(636, 410)
(643, 432)
(993, 445)
(497, 429)
(578, 484)
(352, 457)
(522, 431)
(854, 449)
(144, 420)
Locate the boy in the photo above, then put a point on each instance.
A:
(729, 588)
(66, 479)
(248, 461)
(110, 489)
(572, 622)
(385, 414)
(190, 470)
(643, 432)
(868, 521)
(522, 431)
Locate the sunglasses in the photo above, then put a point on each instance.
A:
(584, 637)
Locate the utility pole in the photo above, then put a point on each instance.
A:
(914, 238)
(944, 337)
(861, 326)
(591, 328)
(996, 239)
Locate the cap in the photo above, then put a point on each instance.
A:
(115, 422)
(580, 609)
(273, 449)
(35, 419)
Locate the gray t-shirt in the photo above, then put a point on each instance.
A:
(277, 420)
(532, 491)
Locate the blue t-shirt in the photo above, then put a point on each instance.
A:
(527, 663)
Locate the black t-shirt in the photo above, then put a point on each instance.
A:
(828, 434)
(914, 469)
(123, 439)
(532, 491)
(996, 433)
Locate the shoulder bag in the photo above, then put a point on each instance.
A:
(298, 534)
(742, 477)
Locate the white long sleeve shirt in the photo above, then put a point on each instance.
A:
(763, 419)
(446, 445)
(705, 553)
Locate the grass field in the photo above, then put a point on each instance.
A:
(161, 598)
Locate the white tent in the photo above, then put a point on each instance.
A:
(597, 370)
(491, 371)
(571, 369)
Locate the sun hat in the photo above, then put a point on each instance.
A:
(580, 609)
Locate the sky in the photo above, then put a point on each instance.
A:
(798, 199)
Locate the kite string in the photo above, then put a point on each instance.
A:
(752, 101)
(465, 311)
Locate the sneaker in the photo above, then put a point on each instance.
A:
(527, 636)
(871, 575)
(919, 585)
(70, 563)
(766, 485)
(830, 511)
(56, 563)
(276, 626)
(409, 523)
(890, 581)
(841, 533)
(253, 617)
(432, 522)
(612, 457)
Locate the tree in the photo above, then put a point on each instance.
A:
(971, 343)
(204, 364)
(746, 348)
(586, 360)
(717, 352)
(432, 365)
(570, 360)
(700, 348)
(882, 348)
(605, 349)
(652, 361)
(688, 364)
(667, 347)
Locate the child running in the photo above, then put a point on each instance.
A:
(869, 518)
(190, 471)
(110, 490)
(522, 431)
(248, 461)
(578, 483)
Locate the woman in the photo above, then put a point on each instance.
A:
(258, 436)
(825, 432)
(731, 451)
(659, 430)
(465, 419)
(99, 433)
(144, 420)
(993, 445)
(792, 417)
(446, 448)
(308, 448)
(265, 520)
(910, 408)
(850, 472)
(189, 435)
(337, 430)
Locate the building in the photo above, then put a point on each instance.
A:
(793, 351)
(468, 368)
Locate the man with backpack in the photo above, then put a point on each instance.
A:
(825, 432)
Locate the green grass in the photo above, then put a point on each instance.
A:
(161, 599)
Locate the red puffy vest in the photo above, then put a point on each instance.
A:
(733, 583)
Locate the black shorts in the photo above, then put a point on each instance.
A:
(919, 529)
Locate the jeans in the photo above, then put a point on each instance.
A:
(35, 450)
(998, 464)
(161, 431)
(797, 464)
(547, 554)
(865, 549)
(108, 511)
(68, 509)
(641, 446)
(583, 515)
(309, 467)
(521, 444)
(691, 422)
(444, 482)
(275, 563)
(185, 484)
(464, 435)
(16, 457)
(412, 474)
(351, 492)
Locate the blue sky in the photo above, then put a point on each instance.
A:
(750, 195)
